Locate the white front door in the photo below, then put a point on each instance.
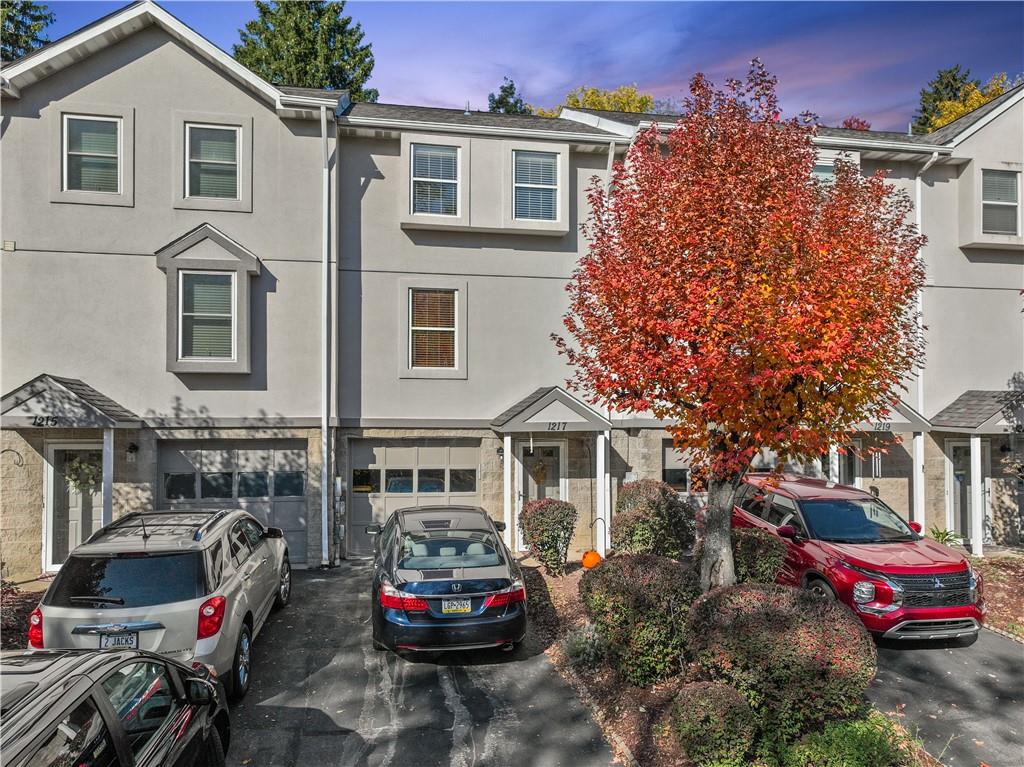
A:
(74, 498)
(541, 472)
(958, 485)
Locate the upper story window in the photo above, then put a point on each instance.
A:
(432, 328)
(213, 161)
(206, 325)
(1000, 202)
(92, 149)
(824, 171)
(536, 185)
(435, 180)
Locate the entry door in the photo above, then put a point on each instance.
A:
(74, 499)
(540, 473)
(958, 485)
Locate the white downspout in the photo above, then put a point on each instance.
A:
(325, 350)
(917, 483)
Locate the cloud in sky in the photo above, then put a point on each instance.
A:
(831, 58)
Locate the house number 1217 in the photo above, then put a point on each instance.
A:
(556, 425)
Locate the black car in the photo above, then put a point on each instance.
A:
(113, 708)
(443, 579)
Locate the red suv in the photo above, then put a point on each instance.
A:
(845, 544)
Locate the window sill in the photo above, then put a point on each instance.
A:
(996, 242)
(213, 366)
(110, 199)
(434, 373)
(543, 228)
(213, 203)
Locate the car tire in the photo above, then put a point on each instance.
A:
(284, 584)
(213, 751)
(820, 587)
(241, 666)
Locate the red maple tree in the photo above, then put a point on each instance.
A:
(732, 294)
(856, 123)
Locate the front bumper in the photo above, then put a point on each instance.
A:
(397, 633)
(926, 622)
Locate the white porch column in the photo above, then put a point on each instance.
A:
(507, 489)
(602, 493)
(108, 476)
(833, 463)
(917, 515)
(977, 498)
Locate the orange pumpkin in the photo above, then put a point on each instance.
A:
(591, 559)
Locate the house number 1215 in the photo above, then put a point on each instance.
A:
(556, 425)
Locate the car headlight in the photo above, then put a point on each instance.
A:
(973, 581)
(863, 592)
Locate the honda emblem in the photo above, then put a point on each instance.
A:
(456, 587)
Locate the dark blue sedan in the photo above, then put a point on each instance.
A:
(444, 580)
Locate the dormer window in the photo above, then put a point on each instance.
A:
(206, 325)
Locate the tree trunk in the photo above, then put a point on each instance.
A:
(716, 565)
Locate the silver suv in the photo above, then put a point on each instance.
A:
(195, 586)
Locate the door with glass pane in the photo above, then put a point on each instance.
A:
(74, 507)
(540, 473)
(958, 485)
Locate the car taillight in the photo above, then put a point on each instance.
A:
(35, 629)
(211, 617)
(514, 593)
(392, 598)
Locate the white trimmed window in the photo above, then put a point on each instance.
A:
(432, 328)
(435, 180)
(535, 185)
(1000, 202)
(212, 153)
(207, 315)
(824, 171)
(92, 152)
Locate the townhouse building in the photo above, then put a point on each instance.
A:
(211, 284)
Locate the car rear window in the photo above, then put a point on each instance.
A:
(131, 580)
(444, 550)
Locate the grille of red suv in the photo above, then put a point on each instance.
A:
(937, 590)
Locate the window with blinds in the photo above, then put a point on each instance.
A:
(91, 149)
(1000, 202)
(435, 180)
(536, 185)
(206, 324)
(824, 172)
(432, 328)
(212, 153)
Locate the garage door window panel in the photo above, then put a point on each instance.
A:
(366, 480)
(180, 487)
(217, 484)
(398, 481)
(253, 484)
(289, 484)
(462, 481)
(430, 481)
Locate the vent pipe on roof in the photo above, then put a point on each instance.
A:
(467, 112)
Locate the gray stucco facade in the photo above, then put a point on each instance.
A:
(90, 292)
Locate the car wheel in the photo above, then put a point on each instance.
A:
(241, 669)
(819, 587)
(284, 584)
(213, 751)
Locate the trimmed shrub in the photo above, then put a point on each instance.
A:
(547, 526)
(757, 555)
(873, 741)
(713, 723)
(639, 602)
(651, 518)
(799, 660)
(584, 647)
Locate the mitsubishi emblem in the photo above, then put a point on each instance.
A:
(456, 587)
(938, 583)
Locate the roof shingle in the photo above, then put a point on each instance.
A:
(460, 117)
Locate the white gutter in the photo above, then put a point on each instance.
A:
(892, 146)
(426, 125)
(325, 349)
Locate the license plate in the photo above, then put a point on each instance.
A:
(455, 605)
(119, 641)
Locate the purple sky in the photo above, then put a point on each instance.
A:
(831, 58)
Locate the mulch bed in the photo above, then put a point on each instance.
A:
(15, 607)
(1004, 591)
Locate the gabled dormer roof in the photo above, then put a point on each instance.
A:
(207, 243)
(122, 23)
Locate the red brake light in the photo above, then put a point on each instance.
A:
(502, 598)
(392, 598)
(211, 617)
(35, 629)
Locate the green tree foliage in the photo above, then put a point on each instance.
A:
(311, 44)
(23, 22)
(945, 86)
(508, 100)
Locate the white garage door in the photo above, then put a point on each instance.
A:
(267, 478)
(396, 474)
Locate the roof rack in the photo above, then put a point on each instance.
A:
(116, 523)
(198, 535)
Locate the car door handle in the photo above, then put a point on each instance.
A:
(247, 576)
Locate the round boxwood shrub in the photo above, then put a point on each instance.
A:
(651, 518)
(639, 602)
(713, 723)
(547, 526)
(873, 741)
(757, 555)
(798, 659)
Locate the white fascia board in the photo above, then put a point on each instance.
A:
(885, 146)
(433, 127)
(988, 118)
(594, 121)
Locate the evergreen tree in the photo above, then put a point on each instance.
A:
(508, 100)
(309, 43)
(22, 23)
(946, 86)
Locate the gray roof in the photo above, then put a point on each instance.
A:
(630, 118)
(315, 93)
(521, 405)
(958, 126)
(974, 407)
(459, 117)
(81, 390)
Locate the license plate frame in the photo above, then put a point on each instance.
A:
(459, 606)
(128, 640)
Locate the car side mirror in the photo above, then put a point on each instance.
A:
(916, 527)
(787, 531)
(373, 529)
(499, 526)
(273, 532)
(199, 692)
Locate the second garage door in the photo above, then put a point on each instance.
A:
(396, 474)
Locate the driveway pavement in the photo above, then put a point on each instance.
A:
(322, 696)
(965, 703)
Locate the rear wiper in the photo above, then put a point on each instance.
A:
(104, 600)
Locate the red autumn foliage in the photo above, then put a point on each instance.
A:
(729, 292)
(856, 123)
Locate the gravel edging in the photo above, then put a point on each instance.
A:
(1004, 633)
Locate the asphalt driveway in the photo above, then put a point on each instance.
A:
(965, 703)
(322, 696)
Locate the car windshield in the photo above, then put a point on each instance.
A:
(448, 549)
(134, 580)
(855, 520)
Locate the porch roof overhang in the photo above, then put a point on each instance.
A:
(902, 418)
(550, 409)
(979, 411)
(49, 401)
